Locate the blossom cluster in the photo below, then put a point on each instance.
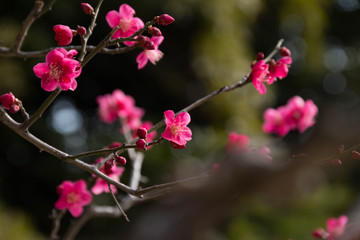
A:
(10, 102)
(296, 114)
(268, 72)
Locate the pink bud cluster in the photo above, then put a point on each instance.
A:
(335, 227)
(176, 130)
(268, 72)
(111, 170)
(10, 102)
(240, 143)
(118, 105)
(296, 114)
(59, 70)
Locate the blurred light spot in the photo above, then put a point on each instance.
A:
(292, 25)
(335, 59)
(348, 5)
(334, 83)
(64, 118)
(347, 99)
(18, 154)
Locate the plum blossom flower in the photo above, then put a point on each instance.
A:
(10, 102)
(58, 70)
(176, 130)
(152, 55)
(63, 34)
(124, 18)
(73, 196)
(296, 114)
(268, 72)
(335, 227)
(237, 142)
(101, 185)
(118, 105)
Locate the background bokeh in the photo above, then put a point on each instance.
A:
(211, 44)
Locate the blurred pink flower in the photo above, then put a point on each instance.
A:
(118, 105)
(336, 226)
(73, 196)
(58, 70)
(152, 55)
(63, 34)
(124, 18)
(258, 76)
(275, 122)
(176, 130)
(101, 185)
(237, 142)
(279, 69)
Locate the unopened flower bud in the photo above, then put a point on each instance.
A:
(63, 34)
(283, 51)
(7, 100)
(120, 160)
(355, 154)
(81, 31)
(14, 108)
(320, 233)
(140, 144)
(336, 162)
(145, 42)
(154, 31)
(260, 56)
(164, 19)
(141, 133)
(87, 9)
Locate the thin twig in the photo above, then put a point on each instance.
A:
(118, 204)
(56, 216)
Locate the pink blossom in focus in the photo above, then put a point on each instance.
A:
(73, 196)
(124, 18)
(275, 122)
(258, 76)
(279, 69)
(101, 185)
(58, 70)
(336, 227)
(63, 34)
(152, 55)
(118, 105)
(176, 130)
(237, 142)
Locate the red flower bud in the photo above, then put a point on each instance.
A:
(336, 162)
(141, 133)
(81, 31)
(140, 144)
(154, 31)
(87, 9)
(145, 42)
(177, 146)
(10, 102)
(120, 160)
(355, 154)
(260, 56)
(164, 19)
(283, 51)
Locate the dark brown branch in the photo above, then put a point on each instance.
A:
(56, 216)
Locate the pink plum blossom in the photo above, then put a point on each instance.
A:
(335, 227)
(176, 130)
(268, 72)
(124, 18)
(101, 185)
(58, 70)
(118, 105)
(275, 122)
(296, 114)
(73, 196)
(237, 142)
(258, 76)
(152, 55)
(63, 34)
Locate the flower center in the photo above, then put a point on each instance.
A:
(72, 197)
(55, 71)
(175, 129)
(125, 24)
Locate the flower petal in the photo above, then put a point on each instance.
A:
(126, 11)
(113, 18)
